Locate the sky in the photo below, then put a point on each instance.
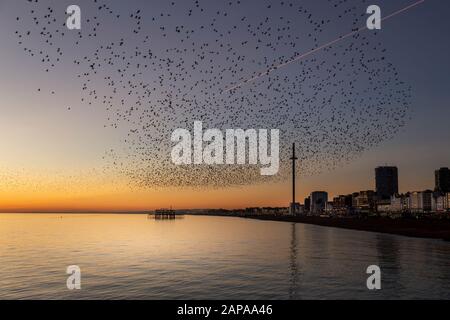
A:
(55, 150)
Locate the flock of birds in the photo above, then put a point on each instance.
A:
(153, 72)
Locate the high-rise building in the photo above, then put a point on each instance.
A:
(442, 180)
(318, 203)
(307, 204)
(386, 180)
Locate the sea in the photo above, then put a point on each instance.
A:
(132, 256)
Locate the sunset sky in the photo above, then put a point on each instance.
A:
(52, 158)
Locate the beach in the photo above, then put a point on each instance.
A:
(423, 228)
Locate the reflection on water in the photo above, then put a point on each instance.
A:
(389, 258)
(293, 265)
(133, 257)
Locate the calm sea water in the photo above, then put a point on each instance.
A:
(133, 257)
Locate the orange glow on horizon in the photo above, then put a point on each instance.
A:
(64, 190)
(70, 193)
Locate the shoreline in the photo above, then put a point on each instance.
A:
(423, 228)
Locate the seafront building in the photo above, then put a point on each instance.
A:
(442, 180)
(365, 201)
(318, 202)
(343, 204)
(420, 202)
(399, 203)
(386, 200)
(386, 181)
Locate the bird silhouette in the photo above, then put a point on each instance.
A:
(172, 62)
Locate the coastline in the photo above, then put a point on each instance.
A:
(423, 228)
